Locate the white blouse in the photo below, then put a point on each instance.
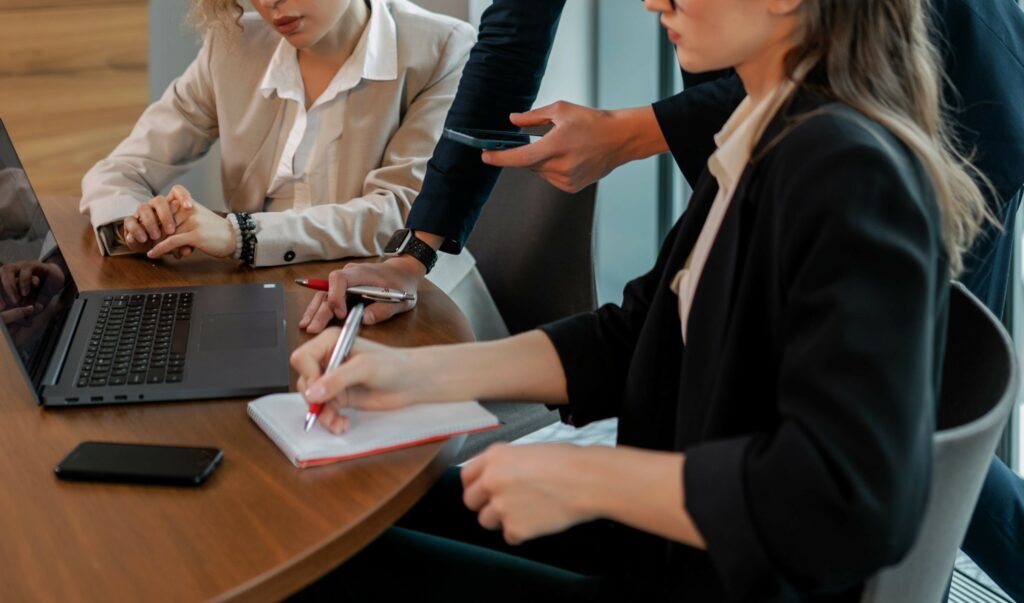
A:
(735, 142)
(310, 131)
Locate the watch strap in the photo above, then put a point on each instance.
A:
(421, 251)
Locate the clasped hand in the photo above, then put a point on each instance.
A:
(176, 224)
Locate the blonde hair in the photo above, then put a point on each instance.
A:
(877, 57)
(222, 15)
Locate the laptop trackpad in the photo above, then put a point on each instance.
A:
(236, 331)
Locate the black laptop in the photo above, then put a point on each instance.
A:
(126, 346)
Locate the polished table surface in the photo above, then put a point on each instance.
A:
(259, 529)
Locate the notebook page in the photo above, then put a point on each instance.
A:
(282, 416)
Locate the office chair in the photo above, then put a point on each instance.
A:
(534, 248)
(979, 387)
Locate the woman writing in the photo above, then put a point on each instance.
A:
(326, 112)
(775, 374)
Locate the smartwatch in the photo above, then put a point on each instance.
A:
(404, 242)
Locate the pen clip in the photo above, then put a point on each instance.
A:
(384, 299)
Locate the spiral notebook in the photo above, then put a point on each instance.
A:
(281, 417)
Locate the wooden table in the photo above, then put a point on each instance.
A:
(259, 529)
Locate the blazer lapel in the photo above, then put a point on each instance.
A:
(251, 189)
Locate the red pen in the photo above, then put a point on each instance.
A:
(346, 340)
(374, 293)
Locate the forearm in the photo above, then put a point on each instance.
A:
(641, 136)
(639, 488)
(524, 367)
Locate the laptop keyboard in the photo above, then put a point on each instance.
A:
(138, 339)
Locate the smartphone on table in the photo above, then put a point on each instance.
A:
(489, 140)
(139, 463)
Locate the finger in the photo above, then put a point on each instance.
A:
(170, 244)
(133, 231)
(471, 471)
(162, 208)
(307, 358)
(334, 385)
(314, 305)
(187, 250)
(528, 155)
(25, 280)
(10, 285)
(181, 194)
(475, 497)
(334, 421)
(16, 314)
(323, 316)
(147, 218)
(537, 117)
(489, 518)
(337, 290)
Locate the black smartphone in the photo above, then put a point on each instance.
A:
(139, 463)
(491, 140)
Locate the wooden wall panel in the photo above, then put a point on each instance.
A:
(73, 39)
(73, 80)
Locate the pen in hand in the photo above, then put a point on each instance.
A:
(346, 340)
(382, 294)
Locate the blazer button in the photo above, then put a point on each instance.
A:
(289, 255)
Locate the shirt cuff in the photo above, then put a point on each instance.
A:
(106, 217)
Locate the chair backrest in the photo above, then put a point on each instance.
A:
(979, 387)
(534, 247)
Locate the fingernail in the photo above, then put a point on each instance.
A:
(130, 239)
(142, 238)
(170, 229)
(315, 392)
(150, 253)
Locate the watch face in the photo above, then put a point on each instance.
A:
(398, 240)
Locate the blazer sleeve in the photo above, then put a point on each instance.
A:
(596, 348)
(502, 76)
(689, 121)
(836, 491)
(362, 226)
(170, 136)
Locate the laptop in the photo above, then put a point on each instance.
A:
(126, 346)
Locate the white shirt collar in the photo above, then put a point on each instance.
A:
(375, 58)
(741, 133)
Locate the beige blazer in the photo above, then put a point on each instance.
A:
(375, 167)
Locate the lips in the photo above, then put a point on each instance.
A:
(287, 24)
(672, 35)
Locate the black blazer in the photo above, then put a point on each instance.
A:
(983, 50)
(804, 398)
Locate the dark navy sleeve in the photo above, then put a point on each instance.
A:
(689, 121)
(502, 76)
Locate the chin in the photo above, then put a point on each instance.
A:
(692, 63)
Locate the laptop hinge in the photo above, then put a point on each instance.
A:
(60, 351)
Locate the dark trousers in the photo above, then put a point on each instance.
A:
(438, 552)
(995, 536)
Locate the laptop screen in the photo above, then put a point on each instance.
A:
(36, 288)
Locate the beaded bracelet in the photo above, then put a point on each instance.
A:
(235, 228)
(247, 227)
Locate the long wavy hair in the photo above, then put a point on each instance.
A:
(222, 15)
(877, 56)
